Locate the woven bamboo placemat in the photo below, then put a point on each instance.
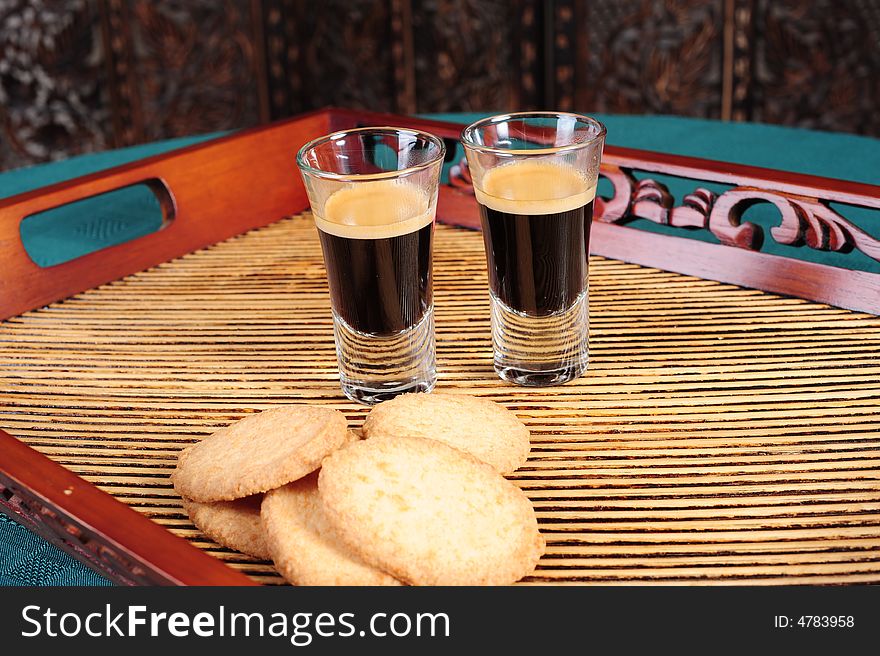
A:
(721, 435)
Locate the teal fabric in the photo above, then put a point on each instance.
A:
(112, 218)
(27, 560)
(827, 154)
(69, 232)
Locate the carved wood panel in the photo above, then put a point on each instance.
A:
(647, 56)
(817, 64)
(84, 75)
(53, 100)
(332, 52)
(464, 55)
(182, 66)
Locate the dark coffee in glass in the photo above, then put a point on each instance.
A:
(373, 194)
(379, 273)
(534, 177)
(536, 250)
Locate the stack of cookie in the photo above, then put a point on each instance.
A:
(422, 500)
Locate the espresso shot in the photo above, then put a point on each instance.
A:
(536, 226)
(376, 240)
(373, 193)
(535, 177)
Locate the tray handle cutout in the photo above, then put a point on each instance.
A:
(71, 230)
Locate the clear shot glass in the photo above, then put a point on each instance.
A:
(373, 194)
(534, 176)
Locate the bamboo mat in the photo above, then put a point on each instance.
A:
(721, 435)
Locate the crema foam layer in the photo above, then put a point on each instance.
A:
(376, 210)
(533, 188)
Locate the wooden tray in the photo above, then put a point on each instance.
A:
(721, 435)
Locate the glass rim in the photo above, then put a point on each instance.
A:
(383, 175)
(468, 142)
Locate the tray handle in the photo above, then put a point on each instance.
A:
(213, 191)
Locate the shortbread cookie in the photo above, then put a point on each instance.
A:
(259, 453)
(429, 514)
(234, 524)
(305, 548)
(481, 427)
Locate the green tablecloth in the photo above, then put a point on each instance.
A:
(27, 560)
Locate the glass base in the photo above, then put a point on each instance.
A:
(367, 396)
(540, 351)
(540, 378)
(375, 368)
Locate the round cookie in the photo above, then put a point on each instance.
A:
(234, 524)
(481, 427)
(259, 453)
(303, 545)
(429, 514)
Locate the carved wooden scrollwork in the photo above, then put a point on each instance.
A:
(804, 220)
(613, 209)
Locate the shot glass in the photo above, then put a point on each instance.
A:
(373, 194)
(534, 176)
